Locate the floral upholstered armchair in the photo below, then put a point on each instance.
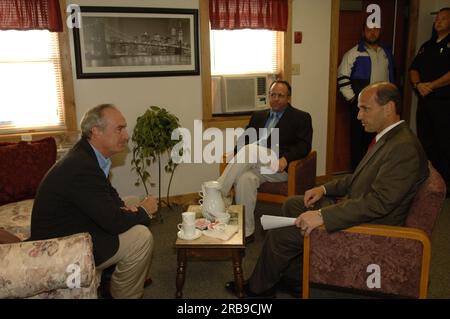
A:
(55, 268)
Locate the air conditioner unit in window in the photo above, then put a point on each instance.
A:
(244, 93)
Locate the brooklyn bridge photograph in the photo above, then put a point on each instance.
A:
(136, 42)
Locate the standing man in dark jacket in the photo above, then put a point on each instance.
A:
(430, 77)
(76, 196)
(366, 63)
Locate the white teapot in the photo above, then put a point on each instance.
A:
(212, 202)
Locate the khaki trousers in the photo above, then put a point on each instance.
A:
(245, 173)
(132, 261)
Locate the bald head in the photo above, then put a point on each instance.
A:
(387, 92)
(379, 106)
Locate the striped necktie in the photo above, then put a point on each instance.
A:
(272, 122)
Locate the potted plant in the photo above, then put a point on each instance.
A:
(151, 138)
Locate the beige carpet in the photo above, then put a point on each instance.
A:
(206, 279)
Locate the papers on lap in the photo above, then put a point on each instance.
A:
(269, 222)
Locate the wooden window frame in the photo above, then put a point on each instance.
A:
(69, 98)
(223, 122)
(334, 63)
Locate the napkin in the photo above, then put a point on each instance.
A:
(224, 233)
(269, 221)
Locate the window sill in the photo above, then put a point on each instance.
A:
(60, 136)
(226, 122)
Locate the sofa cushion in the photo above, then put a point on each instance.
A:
(22, 167)
(15, 218)
(7, 238)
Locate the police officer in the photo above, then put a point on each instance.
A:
(430, 77)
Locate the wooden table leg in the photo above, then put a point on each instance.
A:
(237, 269)
(181, 271)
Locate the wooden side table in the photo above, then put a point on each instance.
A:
(212, 248)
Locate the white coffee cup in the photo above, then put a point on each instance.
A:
(223, 218)
(188, 217)
(187, 229)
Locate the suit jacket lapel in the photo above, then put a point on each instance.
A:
(368, 156)
(284, 116)
(375, 148)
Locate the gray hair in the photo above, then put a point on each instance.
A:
(93, 118)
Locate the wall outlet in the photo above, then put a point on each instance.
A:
(26, 137)
(295, 69)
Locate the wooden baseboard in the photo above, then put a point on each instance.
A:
(320, 180)
(184, 199)
(192, 198)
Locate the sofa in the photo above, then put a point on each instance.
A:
(55, 268)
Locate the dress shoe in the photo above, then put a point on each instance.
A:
(294, 290)
(291, 286)
(268, 294)
(148, 282)
(249, 239)
(103, 291)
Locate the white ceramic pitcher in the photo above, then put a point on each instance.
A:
(212, 202)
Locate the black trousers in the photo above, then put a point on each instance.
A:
(359, 138)
(282, 251)
(433, 131)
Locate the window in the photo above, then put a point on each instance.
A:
(212, 116)
(245, 52)
(32, 97)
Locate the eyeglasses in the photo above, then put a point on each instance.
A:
(279, 95)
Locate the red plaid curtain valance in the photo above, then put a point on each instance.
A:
(248, 14)
(30, 15)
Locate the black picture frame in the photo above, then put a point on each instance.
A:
(118, 42)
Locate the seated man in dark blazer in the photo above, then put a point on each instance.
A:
(379, 191)
(295, 137)
(76, 196)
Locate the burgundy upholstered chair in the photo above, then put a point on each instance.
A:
(344, 258)
(301, 177)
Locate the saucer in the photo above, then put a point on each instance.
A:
(197, 234)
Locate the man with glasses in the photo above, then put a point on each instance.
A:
(294, 130)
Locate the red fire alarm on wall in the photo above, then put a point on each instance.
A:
(298, 37)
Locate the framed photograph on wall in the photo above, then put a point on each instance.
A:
(114, 42)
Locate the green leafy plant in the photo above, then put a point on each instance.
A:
(151, 139)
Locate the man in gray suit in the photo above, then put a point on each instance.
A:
(379, 191)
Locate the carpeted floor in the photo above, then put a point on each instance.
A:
(206, 279)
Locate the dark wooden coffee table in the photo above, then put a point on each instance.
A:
(207, 247)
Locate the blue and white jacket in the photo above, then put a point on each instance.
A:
(356, 68)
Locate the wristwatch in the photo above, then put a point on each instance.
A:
(415, 84)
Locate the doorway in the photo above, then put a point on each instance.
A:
(397, 27)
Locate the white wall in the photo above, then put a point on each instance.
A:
(310, 88)
(183, 97)
(180, 95)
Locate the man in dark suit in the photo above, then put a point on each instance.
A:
(294, 131)
(380, 191)
(76, 196)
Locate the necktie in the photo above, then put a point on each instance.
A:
(372, 143)
(272, 122)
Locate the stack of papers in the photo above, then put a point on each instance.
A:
(224, 233)
(270, 222)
